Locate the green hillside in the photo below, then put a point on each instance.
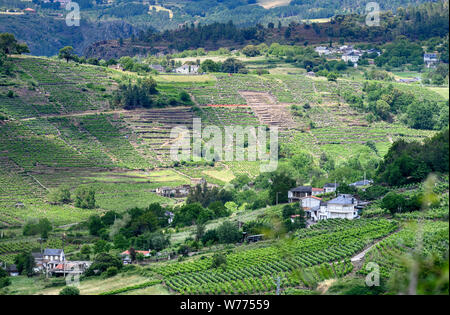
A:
(63, 128)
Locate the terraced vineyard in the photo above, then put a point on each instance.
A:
(152, 129)
(425, 238)
(319, 254)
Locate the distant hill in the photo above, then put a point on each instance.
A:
(45, 32)
(46, 35)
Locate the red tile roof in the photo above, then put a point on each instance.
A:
(312, 197)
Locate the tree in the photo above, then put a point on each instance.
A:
(199, 231)
(332, 76)
(69, 291)
(280, 183)
(85, 250)
(66, 53)
(185, 97)
(95, 225)
(210, 66)
(251, 51)
(25, 264)
(85, 197)
(394, 202)
(228, 233)
(132, 253)
(101, 246)
(219, 260)
(111, 271)
(60, 195)
(102, 262)
(232, 65)
(9, 45)
(120, 242)
(44, 227)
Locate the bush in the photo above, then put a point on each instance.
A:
(111, 271)
(229, 232)
(185, 97)
(85, 198)
(69, 291)
(60, 195)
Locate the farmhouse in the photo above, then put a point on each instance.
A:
(187, 69)
(321, 50)
(330, 187)
(116, 67)
(126, 257)
(170, 216)
(51, 254)
(362, 183)
(174, 192)
(298, 193)
(351, 56)
(29, 10)
(430, 60)
(158, 68)
(341, 207)
(310, 202)
(411, 80)
(311, 206)
(317, 191)
(12, 270)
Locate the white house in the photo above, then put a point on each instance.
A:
(321, 50)
(51, 254)
(330, 187)
(341, 207)
(430, 60)
(295, 194)
(311, 205)
(351, 56)
(317, 191)
(187, 69)
(310, 202)
(362, 183)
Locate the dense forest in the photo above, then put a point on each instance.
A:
(123, 18)
(416, 23)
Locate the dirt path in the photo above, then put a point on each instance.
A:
(85, 113)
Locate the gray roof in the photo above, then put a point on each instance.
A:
(36, 255)
(362, 182)
(157, 67)
(302, 189)
(331, 185)
(343, 199)
(52, 252)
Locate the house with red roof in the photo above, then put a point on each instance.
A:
(29, 10)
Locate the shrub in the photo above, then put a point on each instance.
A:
(85, 198)
(69, 291)
(111, 271)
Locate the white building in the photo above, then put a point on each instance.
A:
(330, 187)
(351, 56)
(321, 50)
(51, 254)
(341, 207)
(187, 69)
(311, 205)
(430, 60)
